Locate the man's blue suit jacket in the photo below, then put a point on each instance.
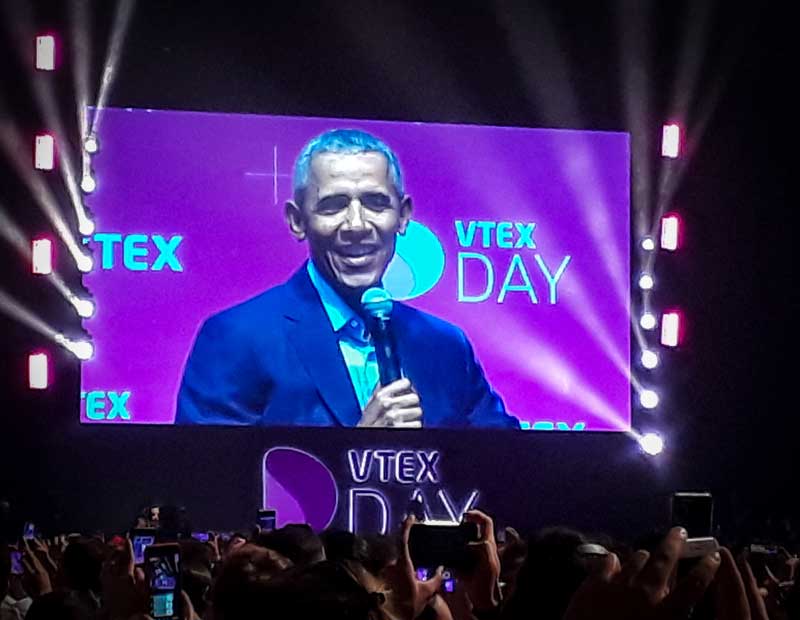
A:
(275, 360)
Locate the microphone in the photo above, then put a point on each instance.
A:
(377, 304)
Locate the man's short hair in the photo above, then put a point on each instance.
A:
(296, 541)
(349, 141)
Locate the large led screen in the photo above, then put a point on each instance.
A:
(505, 252)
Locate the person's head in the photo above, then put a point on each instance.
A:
(82, 564)
(296, 541)
(549, 576)
(196, 572)
(329, 590)
(341, 546)
(349, 204)
(243, 582)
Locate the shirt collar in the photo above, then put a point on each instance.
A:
(339, 313)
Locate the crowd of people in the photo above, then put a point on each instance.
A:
(292, 572)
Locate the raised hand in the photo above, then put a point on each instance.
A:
(36, 571)
(124, 592)
(483, 583)
(408, 596)
(640, 589)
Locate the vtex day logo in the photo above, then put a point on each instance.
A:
(367, 490)
(418, 263)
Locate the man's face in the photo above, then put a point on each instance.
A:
(351, 216)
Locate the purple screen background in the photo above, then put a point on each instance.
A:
(211, 178)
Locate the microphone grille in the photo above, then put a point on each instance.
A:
(377, 302)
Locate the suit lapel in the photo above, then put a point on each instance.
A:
(407, 347)
(316, 345)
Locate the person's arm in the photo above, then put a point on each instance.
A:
(222, 383)
(482, 406)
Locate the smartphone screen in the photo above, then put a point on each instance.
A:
(266, 520)
(449, 583)
(694, 512)
(163, 571)
(141, 539)
(16, 563)
(201, 536)
(29, 531)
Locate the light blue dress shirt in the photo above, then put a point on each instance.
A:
(355, 343)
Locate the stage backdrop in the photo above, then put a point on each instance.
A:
(521, 238)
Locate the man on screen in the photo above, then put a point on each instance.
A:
(300, 353)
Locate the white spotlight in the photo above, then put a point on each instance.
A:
(651, 444)
(86, 226)
(649, 359)
(42, 256)
(46, 52)
(84, 307)
(44, 152)
(671, 329)
(648, 399)
(38, 371)
(647, 321)
(85, 263)
(88, 184)
(670, 141)
(670, 231)
(90, 145)
(646, 282)
(82, 349)
(648, 244)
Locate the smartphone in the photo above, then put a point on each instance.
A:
(29, 531)
(449, 583)
(201, 536)
(694, 512)
(442, 545)
(699, 547)
(162, 567)
(16, 563)
(762, 556)
(141, 539)
(266, 519)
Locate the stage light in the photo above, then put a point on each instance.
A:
(648, 399)
(671, 141)
(86, 226)
(651, 444)
(646, 282)
(670, 228)
(648, 244)
(84, 307)
(44, 152)
(82, 349)
(647, 321)
(670, 329)
(37, 371)
(90, 145)
(84, 263)
(42, 256)
(649, 359)
(46, 53)
(88, 184)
